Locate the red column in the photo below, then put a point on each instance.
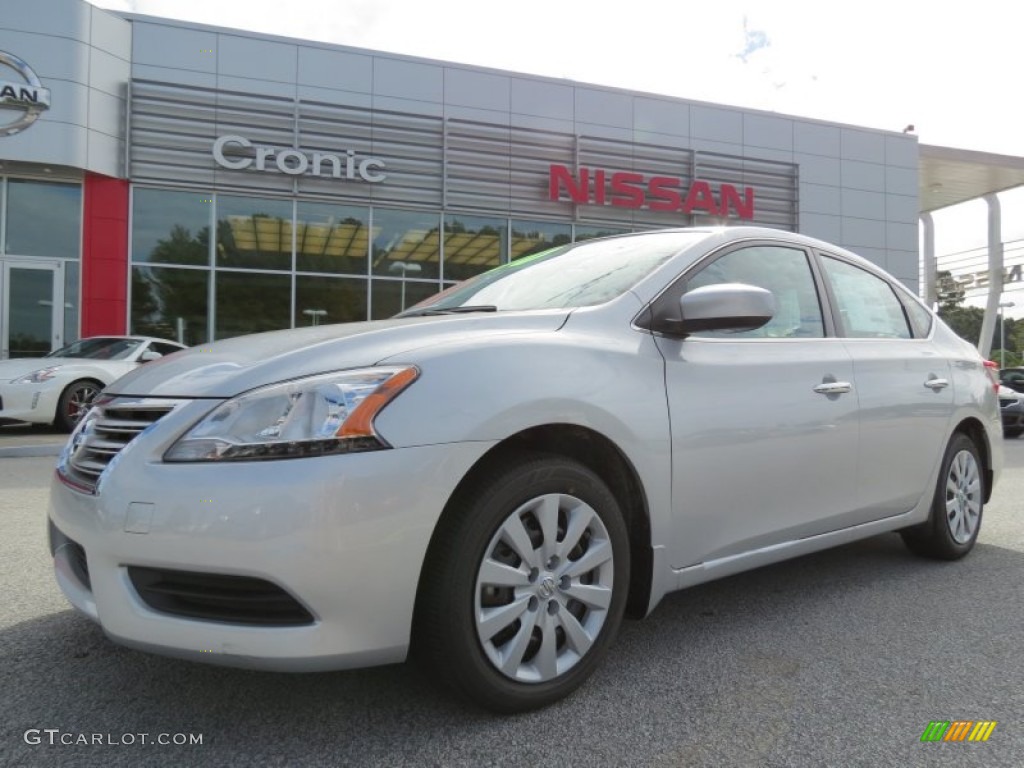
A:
(104, 256)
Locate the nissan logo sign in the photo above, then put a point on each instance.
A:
(237, 153)
(27, 96)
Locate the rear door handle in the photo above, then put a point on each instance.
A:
(937, 384)
(833, 388)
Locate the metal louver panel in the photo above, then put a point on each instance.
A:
(429, 161)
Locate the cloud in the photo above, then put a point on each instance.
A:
(754, 40)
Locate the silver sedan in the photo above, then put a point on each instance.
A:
(494, 479)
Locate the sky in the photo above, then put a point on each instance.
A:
(948, 69)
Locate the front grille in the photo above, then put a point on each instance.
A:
(105, 431)
(1007, 402)
(218, 597)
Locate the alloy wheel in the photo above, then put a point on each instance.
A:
(963, 497)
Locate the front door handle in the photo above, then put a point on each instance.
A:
(833, 388)
(936, 384)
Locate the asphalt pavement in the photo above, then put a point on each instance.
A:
(842, 658)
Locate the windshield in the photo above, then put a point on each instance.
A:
(99, 349)
(577, 275)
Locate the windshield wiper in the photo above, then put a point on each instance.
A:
(448, 310)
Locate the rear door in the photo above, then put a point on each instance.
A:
(904, 389)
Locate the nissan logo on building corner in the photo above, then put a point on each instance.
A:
(237, 153)
(28, 98)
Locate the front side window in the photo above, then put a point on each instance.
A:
(782, 270)
(868, 307)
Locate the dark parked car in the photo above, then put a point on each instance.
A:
(1011, 406)
(1012, 378)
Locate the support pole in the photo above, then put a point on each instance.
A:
(995, 275)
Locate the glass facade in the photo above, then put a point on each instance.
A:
(44, 218)
(283, 263)
(40, 253)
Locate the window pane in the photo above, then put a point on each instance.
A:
(534, 236)
(70, 301)
(783, 271)
(473, 244)
(920, 317)
(170, 303)
(250, 303)
(254, 233)
(392, 296)
(171, 227)
(590, 231)
(320, 300)
(331, 238)
(44, 218)
(868, 308)
(406, 243)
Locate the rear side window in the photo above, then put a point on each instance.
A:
(920, 317)
(868, 306)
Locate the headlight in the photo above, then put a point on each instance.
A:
(315, 416)
(37, 377)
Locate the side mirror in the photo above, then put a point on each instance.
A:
(149, 356)
(726, 307)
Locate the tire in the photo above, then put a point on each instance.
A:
(1012, 432)
(74, 403)
(955, 520)
(505, 615)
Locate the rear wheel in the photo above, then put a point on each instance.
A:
(74, 402)
(525, 585)
(951, 530)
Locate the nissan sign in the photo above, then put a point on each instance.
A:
(26, 96)
(237, 153)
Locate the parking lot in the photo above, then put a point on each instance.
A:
(840, 659)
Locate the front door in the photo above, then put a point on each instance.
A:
(31, 308)
(764, 423)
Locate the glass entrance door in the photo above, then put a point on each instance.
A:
(31, 308)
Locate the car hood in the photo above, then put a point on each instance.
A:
(102, 369)
(227, 368)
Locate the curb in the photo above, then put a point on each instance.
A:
(27, 451)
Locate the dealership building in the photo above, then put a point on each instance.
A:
(197, 183)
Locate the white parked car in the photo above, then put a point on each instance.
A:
(493, 479)
(58, 388)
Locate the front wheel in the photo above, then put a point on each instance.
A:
(74, 401)
(525, 584)
(951, 530)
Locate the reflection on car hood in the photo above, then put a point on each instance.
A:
(226, 368)
(13, 369)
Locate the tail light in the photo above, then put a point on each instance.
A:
(992, 369)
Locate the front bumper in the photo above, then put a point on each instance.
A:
(36, 403)
(345, 536)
